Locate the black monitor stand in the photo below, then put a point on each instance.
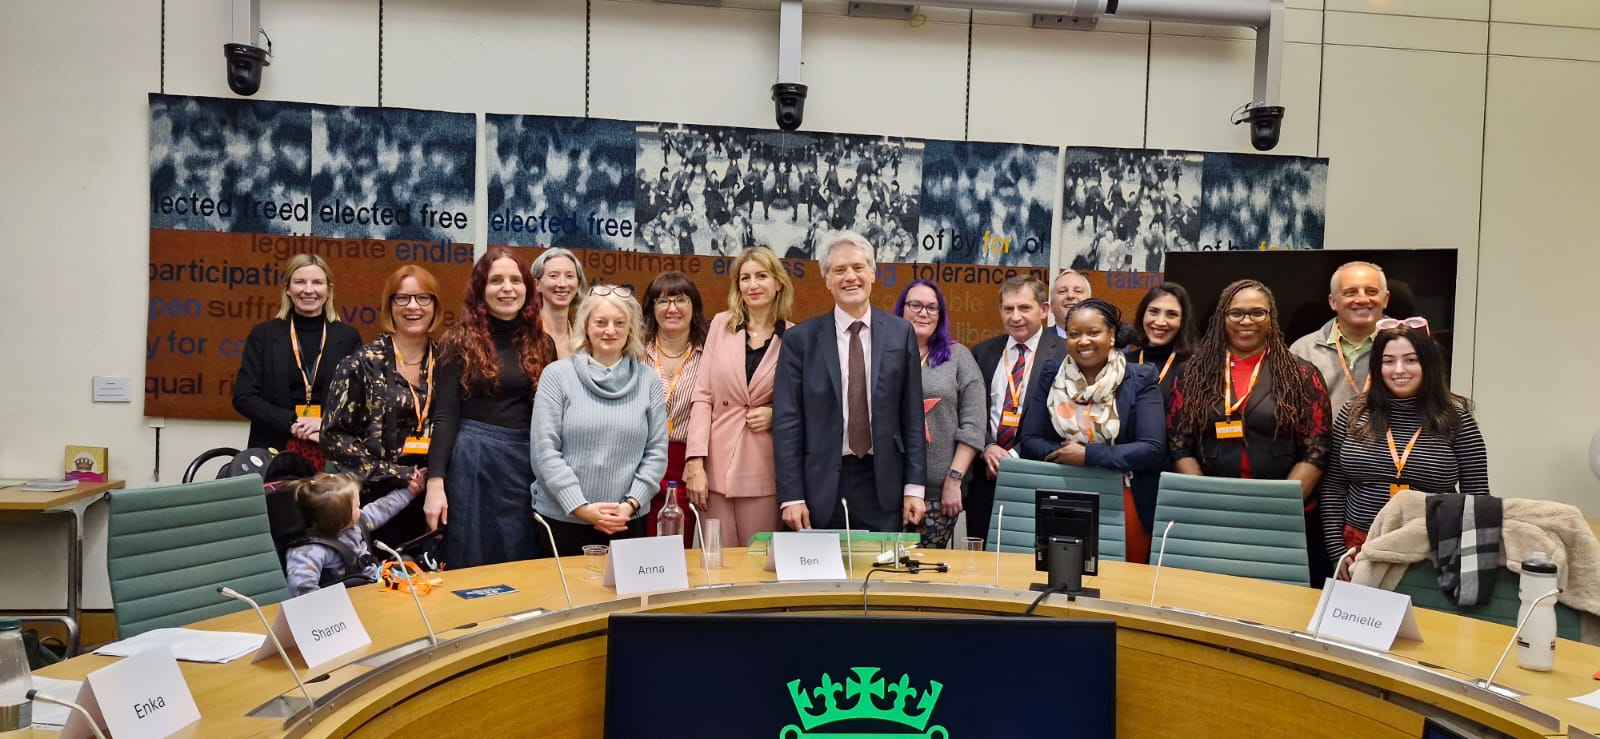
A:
(1065, 565)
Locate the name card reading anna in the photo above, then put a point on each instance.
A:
(139, 697)
(647, 565)
(806, 556)
(1363, 616)
(317, 628)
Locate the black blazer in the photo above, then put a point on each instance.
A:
(264, 390)
(808, 413)
(1052, 349)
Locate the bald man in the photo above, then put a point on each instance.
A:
(1069, 289)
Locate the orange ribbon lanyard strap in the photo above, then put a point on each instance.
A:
(416, 402)
(1338, 345)
(672, 384)
(1400, 459)
(1167, 366)
(1011, 382)
(294, 342)
(1227, 381)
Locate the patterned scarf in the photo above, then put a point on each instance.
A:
(1070, 389)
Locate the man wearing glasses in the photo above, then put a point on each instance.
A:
(847, 421)
(1358, 295)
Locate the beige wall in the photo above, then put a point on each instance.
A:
(1447, 126)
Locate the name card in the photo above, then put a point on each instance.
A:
(140, 697)
(647, 565)
(806, 556)
(316, 629)
(1363, 616)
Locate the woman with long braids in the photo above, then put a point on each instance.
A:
(1245, 407)
(479, 474)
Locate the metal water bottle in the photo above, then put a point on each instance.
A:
(16, 711)
(1536, 646)
(669, 520)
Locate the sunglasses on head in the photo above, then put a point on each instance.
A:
(1384, 324)
(621, 291)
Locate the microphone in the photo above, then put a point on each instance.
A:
(562, 571)
(228, 592)
(699, 533)
(411, 585)
(999, 526)
(1489, 681)
(1159, 558)
(1322, 607)
(849, 551)
(35, 695)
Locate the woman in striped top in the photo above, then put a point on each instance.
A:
(1408, 431)
(674, 335)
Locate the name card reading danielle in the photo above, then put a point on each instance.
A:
(143, 697)
(1363, 616)
(647, 565)
(806, 556)
(317, 629)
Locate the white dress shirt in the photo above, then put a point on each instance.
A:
(999, 383)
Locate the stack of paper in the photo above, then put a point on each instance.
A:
(49, 486)
(189, 645)
(50, 716)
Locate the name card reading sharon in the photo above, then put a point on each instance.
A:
(647, 565)
(1363, 616)
(807, 556)
(317, 629)
(143, 697)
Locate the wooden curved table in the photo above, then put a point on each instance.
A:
(1218, 657)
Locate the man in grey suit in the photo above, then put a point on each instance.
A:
(1018, 353)
(847, 421)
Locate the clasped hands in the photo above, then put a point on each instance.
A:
(307, 428)
(606, 518)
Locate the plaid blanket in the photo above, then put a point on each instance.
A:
(1464, 533)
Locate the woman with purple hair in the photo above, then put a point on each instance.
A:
(953, 403)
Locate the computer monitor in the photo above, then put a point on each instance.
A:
(1066, 526)
(677, 676)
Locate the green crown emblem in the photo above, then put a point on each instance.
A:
(871, 699)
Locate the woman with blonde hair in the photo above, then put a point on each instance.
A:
(289, 360)
(729, 471)
(559, 284)
(596, 466)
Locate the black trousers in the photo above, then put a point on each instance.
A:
(858, 484)
(979, 503)
(571, 538)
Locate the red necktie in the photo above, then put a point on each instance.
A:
(1006, 437)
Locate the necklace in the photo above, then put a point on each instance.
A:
(663, 352)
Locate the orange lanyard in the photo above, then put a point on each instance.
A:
(1163, 376)
(1338, 344)
(294, 342)
(1400, 459)
(416, 402)
(672, 384)
(1011, 382)
(1227, 381)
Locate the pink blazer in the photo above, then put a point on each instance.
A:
(738, 460)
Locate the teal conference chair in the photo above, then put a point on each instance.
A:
(1249, 528)
(170, 547)
(1421, 582)
(1015, 486)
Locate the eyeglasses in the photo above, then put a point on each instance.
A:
(400, 300)
(621, 291)
(1384, 324)
(917, 306)
(680, 302)
(1255, 315)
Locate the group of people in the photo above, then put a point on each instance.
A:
(583, 401)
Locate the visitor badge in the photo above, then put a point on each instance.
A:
(1396, 488)
(308, 411)
(1010, 419)
(1230, 429)
(415, 445)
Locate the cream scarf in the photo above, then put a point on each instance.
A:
(1071, 389)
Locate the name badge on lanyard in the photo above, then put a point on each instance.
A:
(309, 410)
(1010, 419)
(418, 442)
(1230, 429)
(415, 445)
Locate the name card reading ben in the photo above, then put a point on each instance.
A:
(317, 628)
(139, 697)
(806, 556)
(1363, 616)
(647, 565)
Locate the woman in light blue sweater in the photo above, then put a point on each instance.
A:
(599, 428)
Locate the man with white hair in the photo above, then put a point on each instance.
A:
(847, 420)
(1069, 289)
(1358, 293)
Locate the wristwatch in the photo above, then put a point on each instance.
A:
(955, 474)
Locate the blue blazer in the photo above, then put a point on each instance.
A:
(1141, 443)
(808, 413)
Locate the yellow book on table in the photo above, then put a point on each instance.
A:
(87, 463)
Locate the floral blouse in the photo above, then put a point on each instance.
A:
(370, 411)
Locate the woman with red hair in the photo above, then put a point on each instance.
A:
(479, 474)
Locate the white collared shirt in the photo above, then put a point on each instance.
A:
(999, 382)
(841, 322)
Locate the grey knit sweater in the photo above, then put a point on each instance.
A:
(599, 435)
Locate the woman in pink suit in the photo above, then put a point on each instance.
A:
(729, 469)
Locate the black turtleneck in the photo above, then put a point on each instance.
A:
(308, 331)
(508, 404)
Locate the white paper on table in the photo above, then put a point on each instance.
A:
(189, 645)
(1591, 700)
(49, 715)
